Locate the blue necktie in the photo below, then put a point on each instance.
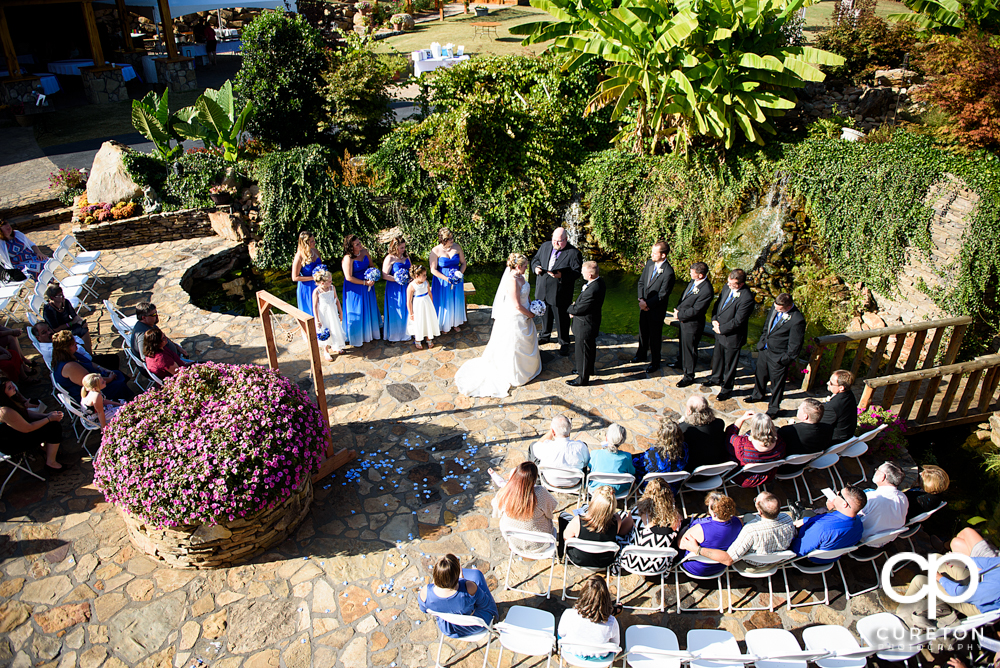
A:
(728, 299)
(774, 322)
(688, 290)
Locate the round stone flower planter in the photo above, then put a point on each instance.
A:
(216, 545)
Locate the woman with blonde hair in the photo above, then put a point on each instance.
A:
(306, 261)
(610, 459)
(934, 481)
(667, 455)
(524, 505)
(511, 358)
(761, 444)
(93, 400)
(600, 523)
(591, 621)
(717, 531)
(395, 305)
(448, 265)
(656, 523)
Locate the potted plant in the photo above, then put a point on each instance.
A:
(481, 10)
(222, 193)
(401, 21)
(23, 118)
(364, 6)
(215, 466)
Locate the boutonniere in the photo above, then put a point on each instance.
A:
(694, 290)
(736, 294)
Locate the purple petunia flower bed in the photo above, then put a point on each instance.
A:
(217, 442)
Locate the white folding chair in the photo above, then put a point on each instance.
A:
(891, 638)
(855, 452)
(691, 556)
(705, 479)
(612, 480)
(804, 564)
(585, 655)
(35, 305)
(869, 557)
(10, 297)
(61, 256)
(671, 478)
(88, 425)
(19, 463)
(72, 292)
(66, 401)
(827, 461)
(754, 469)
(965, 627)
(465, 620)
(590, 547)
(559, 480)
(119, 321)
(653, 647)
(778, 648)
(34, 341)
(715, 648)
(538, 537)
(72, 245)
(800, 466)
(660, 558)
(527, 631)
(774, 561)
(73, 286)
(911, 529)
(843, 650)
(139, 365)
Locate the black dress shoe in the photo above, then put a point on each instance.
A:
(638, 359)
(755, 399)
(564, 351)
(576, 382)
(724, 394)
(773, 414)
(711, 382)
(685, 382)
(652, 368)
(542, 340)
(574, 371)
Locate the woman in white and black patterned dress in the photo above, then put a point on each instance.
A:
(657, 523)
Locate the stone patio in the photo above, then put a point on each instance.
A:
(342, 591)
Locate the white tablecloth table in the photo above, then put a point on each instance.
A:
(72, 67)
(49, 83)
(422, 66)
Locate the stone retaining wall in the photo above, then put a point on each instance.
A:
(104, 85)
(148, 229)
(20, 91)
(177, 74)
(216, 545)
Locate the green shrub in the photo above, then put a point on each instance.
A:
(190, 177)
(282, 74)
(146, 169)
(867, 44)
(357, 87)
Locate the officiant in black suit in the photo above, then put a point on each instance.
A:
(691, 310)
(654, 288)
(586, 315)
(557, 265)
(779, 346)
(730, 321)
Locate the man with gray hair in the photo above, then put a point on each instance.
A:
(765, 532)
(555, 449)
(887, 506)
(557, 265)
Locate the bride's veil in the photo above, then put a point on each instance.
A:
(501, 296)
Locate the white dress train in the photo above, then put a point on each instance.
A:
(511, 358)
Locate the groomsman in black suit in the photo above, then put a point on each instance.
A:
(586, 314)
(557, 265)
(730, 320)
(780, 344)
(655, 284)
(691, 309)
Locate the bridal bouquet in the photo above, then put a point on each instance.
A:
(323, 334)
(454, 276)
(372, 274)
(537, 307)
(402, 277)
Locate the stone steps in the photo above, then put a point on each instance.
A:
(38, 202)
(41, 218)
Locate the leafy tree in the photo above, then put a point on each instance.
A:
(950, 17)
(282, 75)
(720, 69)
(867, 44)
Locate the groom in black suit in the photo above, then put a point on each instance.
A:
(730, 320)
(586, 314)
(557, 265)
(655, 284)
(691, 309)
(780, 344)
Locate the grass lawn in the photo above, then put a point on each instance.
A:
(819, 15)
(459, 31)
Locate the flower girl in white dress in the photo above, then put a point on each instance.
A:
(329, 316)
(423, 323)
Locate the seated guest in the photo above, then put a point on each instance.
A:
(148, 318)
(765, 532)
(161, 360)
(18, 252)
(610, 459)
(953, 579)
(600, 523)
(838, 528)
(808, 434)
(459, 591)
(761, 444)
(716, 532)
(12, 361)
(887, 506)
(656, 524)
(704, 433)
(668, 454)
(43, 334)
(524, 505)
(841, 410)
(556, 449)
(22, 429)
(934, 482)
(59, 314)
(94, 404)
(591, 621)
(71, 367)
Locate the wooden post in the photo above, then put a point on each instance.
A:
(265, 302)
(441, 9)
(813, 368)
(168, 28)
(123, 19)
(95, 40)
(13, 68)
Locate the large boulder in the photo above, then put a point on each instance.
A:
(896, 77)
(109, 181)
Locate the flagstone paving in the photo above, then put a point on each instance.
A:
(342, 590)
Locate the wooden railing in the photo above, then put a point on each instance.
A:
(977, 401)
(919, 331)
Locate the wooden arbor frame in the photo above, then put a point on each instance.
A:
(265, 302)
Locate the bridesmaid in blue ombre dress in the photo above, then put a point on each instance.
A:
(361, 316)
(395, 294)
(448, 299)
(306, 261)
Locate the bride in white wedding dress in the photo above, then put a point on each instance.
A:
(511, 358)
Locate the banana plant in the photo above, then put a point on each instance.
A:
(213, 119)
(683, 69)
(950, 17)
(151, 117)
